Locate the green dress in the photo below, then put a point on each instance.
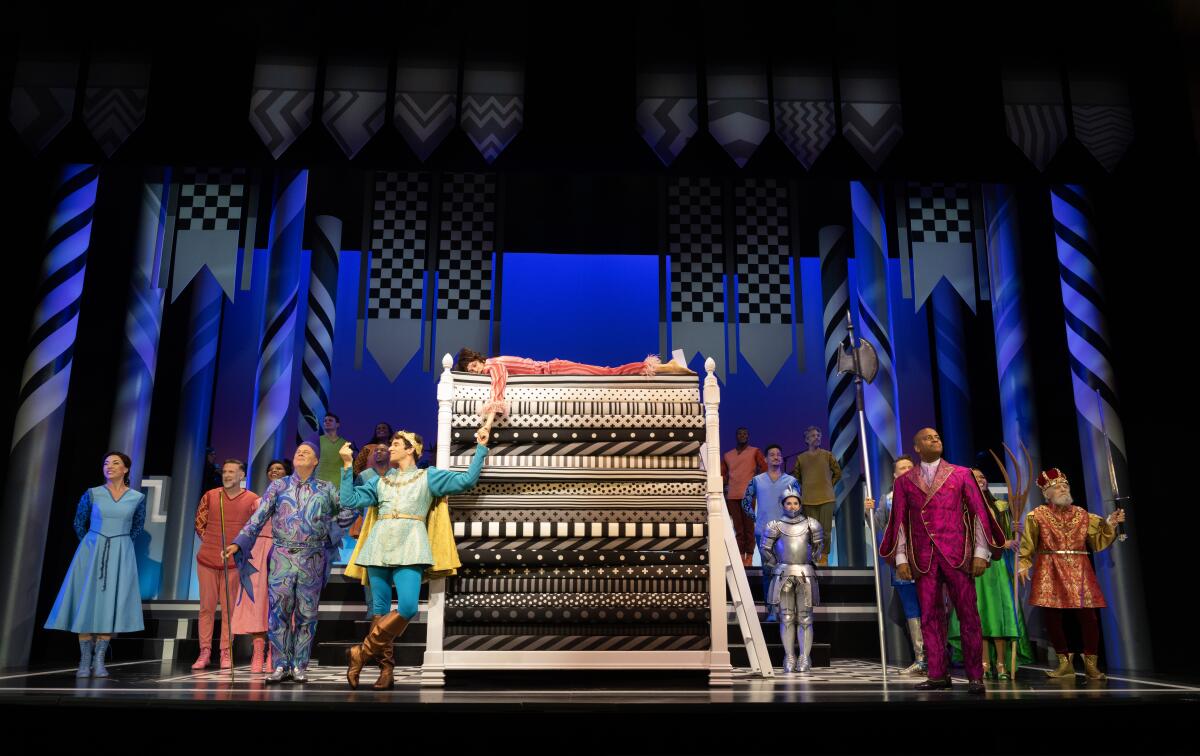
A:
(994, 597)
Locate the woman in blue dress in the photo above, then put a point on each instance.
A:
(100, 594)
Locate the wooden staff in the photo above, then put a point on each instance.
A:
(227, 609)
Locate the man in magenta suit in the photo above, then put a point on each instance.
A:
(941, 532)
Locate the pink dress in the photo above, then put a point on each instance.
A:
(499, 368)
(251, 616)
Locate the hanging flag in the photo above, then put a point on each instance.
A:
(43, 98)
(426, 104)
(804, 114)
(208, 220)
(399, 230)
(114, 104)
(738, 116)
(1102, 116)
(467, 239)
(695, 240)
(1034, 115)
(355, 103)
(667, 111)
(871, 119)
(942, 240)
(762, 240)
(493, 108)
(281, 102)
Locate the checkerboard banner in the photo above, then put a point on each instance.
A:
(210, 212)
(942, 239)
(696, 245)
(467, 239)
(399, 230)
(762, 244)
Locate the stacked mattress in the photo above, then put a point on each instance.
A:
(588, 529)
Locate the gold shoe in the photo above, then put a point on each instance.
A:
(1002, 671)
(1066, 666)
(1090, 669)
(987, 670)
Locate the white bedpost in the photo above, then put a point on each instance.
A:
(720, 670)
(433, 671)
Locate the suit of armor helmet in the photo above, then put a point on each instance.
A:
(790, 544)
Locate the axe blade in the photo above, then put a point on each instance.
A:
(868, 361)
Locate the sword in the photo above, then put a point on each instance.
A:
(1118, 500)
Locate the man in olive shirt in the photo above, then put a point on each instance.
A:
(330, 467)
(818, 472)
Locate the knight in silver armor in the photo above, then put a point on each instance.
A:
(790, 545)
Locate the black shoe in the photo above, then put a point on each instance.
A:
(934, 684)
(976, 687)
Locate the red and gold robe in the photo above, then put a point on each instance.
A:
(1056, 544)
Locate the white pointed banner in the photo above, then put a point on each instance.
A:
(396, 297)
(426, 104)
(941, 235)
(208, 219)
(493, 110)
(762, 241)
(738, 114)
(871, 119)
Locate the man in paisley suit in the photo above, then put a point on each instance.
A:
(942, 534)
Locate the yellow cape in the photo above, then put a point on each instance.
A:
(441, 542)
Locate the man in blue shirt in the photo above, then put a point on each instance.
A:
(763, 503)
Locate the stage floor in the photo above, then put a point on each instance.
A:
(845, 681)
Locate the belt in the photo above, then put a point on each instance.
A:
(104, 556)
(1062, 552)
(300, 545)
(401, 516)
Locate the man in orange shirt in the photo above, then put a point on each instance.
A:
(739, 465)
(236, 504)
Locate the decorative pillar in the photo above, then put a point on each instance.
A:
(41, 407)
(317, 370)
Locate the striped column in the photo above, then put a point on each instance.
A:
(191, 436)
(41, 406)
(1126, 635)
(954, 390)
(833, 247)
(273, 381)
(143, 323)
(874, 315)
(1010, 319)
(317, 369)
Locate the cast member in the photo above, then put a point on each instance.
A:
(790, 545)
(818, 472)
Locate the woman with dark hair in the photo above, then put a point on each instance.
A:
(100, 595)
(383, 435)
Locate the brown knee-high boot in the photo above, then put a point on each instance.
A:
(389, 629)
(358, 656)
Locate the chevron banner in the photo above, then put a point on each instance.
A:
(281, 102)
(355, 103)
(114, 104)
(871, 119)
(1034, 115)
(43, 99)
(1102, 117)
(738, 114)
(493, 110)
(667, 109)
(426, 104)
(804, 114)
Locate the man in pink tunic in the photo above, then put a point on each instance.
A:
(941, 532)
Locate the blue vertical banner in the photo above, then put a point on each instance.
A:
(1085, 312)
(188, 465)
(1011, 323)
(874, 315)
(41, 406)
(833, 248)
(273, 379)
(317, 366)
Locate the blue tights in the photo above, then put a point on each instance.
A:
(408, 587)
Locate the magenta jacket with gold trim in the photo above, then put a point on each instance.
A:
(939, 519)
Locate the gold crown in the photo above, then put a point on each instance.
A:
(412, 441)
